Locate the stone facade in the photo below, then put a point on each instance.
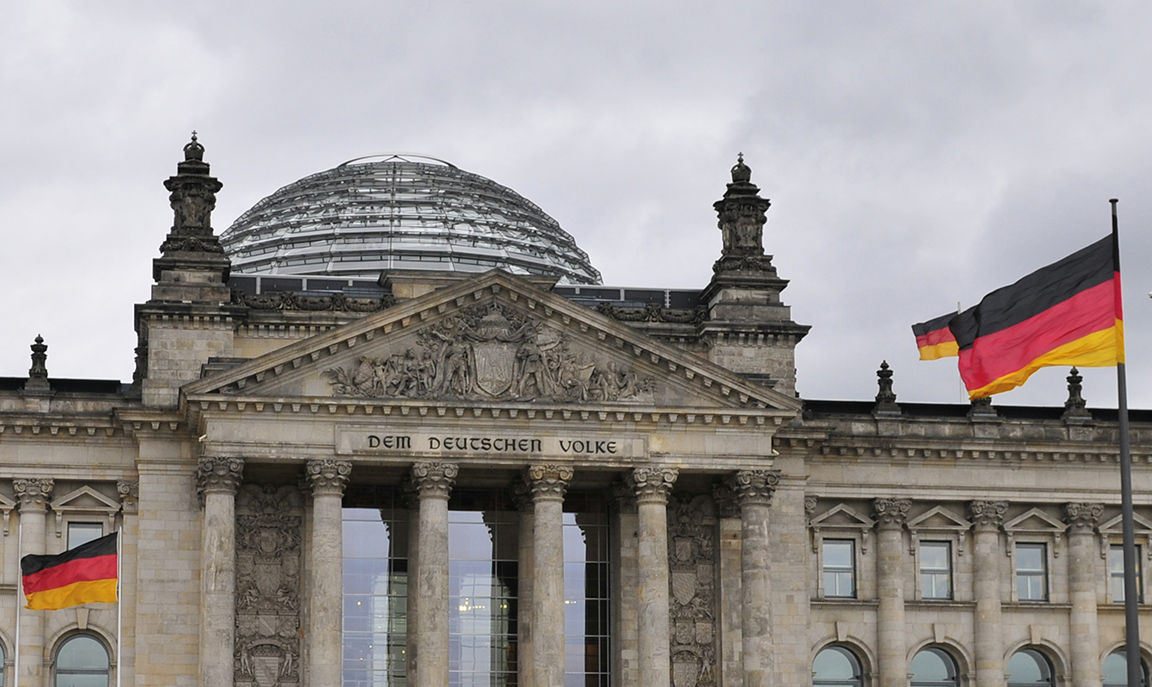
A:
(747, 530)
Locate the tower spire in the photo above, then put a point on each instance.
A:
(191, 242)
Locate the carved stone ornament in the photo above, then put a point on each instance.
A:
(885, 397)
(193, 197)
(269, 525)
(491, 352)
(987, 514)
(653, 313)
(34, 493)
(327, 477)
(727, 505)
(742, 215)
(652, 484)
(692, 597)
(1083, 517)
(810, 506)
(335, 302)
(216, 473)
(548, 482)
(434, 480)
(891, 513)
(129, 496)
(753, 486)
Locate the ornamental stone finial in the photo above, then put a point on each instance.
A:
(987, 514)
(891, 513)
(33, 493)
(651, 484)
(548, 482)
(191, 244)
(129, 492)
(219, 474)
(1076, 408)
(434, 480)
(327, 477)
(741, 217)
(753, 487)
(1083, 517)
(38, 373)
(886, 398)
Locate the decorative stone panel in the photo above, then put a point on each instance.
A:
(269, 533)
(692, 595)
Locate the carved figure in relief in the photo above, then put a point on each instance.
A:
(490, 352)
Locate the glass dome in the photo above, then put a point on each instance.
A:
(401, 212)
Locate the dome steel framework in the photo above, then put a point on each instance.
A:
(401, 212)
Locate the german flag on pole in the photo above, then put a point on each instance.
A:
(1068, 313)
(85, 574)
(934, 338)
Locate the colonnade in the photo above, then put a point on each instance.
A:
(541, 628)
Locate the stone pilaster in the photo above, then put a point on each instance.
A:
(625, 585)
(327, 479)
(548, 484)
(217, 479)
(524, 582)
(129, 492)
(412, 503)
(652, 485)
(32, 496)
(987, 517)
(434, 483)
(731, 602)
(753, 490)
(1082, 519)
(890, 515)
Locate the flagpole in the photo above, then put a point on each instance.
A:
(1131, 598)
(119, 604)
(19, 595)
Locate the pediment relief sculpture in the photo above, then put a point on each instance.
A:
(491, 352)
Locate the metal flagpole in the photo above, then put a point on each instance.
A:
(1131, 600)
(119, 604)
(19, 596)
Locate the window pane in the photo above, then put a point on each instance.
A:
(83, 532)
(1028, 668)
(835, 666)
(837, 554)
(933, 667)
(1116, 574)
(839, 568)
(82, 662)
(936, 570)
(1031, 572)
(1115, 670)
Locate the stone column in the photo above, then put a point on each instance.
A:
(652, 486)
(987, 517)
(129, 492)
(32, 496)
(327, 479)
(729, 642)
(216, 480)
(524, 587)
(548, 484)
(433, 483)
(753, 490)
(1082, 519)
(890, 515)
(412, 503)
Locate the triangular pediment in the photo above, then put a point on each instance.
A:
(939, 518)
(842, 516)
(1035, 521)
(496, 338)
(1115, 525)
(84, 501)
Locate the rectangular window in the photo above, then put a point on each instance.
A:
(83, 532)
(935, 570)
(839, 568)
(1032, 572)
(1116, 574)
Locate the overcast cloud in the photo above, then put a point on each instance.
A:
(916, 154)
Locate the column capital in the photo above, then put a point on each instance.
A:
(890, 514)
(219, 474)
(753, 487)
(327, 477)
(651, 484)
(434, 480)
(129, 492)
(548, 482)
(33, 493)
(1082, 517)
(987, 515)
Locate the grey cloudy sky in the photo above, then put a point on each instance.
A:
(916, 154)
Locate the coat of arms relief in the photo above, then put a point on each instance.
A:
(491, 352)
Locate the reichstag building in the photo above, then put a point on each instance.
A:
(390, 428)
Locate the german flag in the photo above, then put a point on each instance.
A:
(934, 338)
(85, 574)
(1068, 313)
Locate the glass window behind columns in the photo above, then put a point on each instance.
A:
(586, 592)
(375, 594)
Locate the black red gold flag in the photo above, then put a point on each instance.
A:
(1067, 313)
(84, 574)
(934, 338)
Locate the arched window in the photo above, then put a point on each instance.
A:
(1029, 668)
(2, 665)
(1115, 670)
(82, 661)
(933, 667)
(836, 667)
